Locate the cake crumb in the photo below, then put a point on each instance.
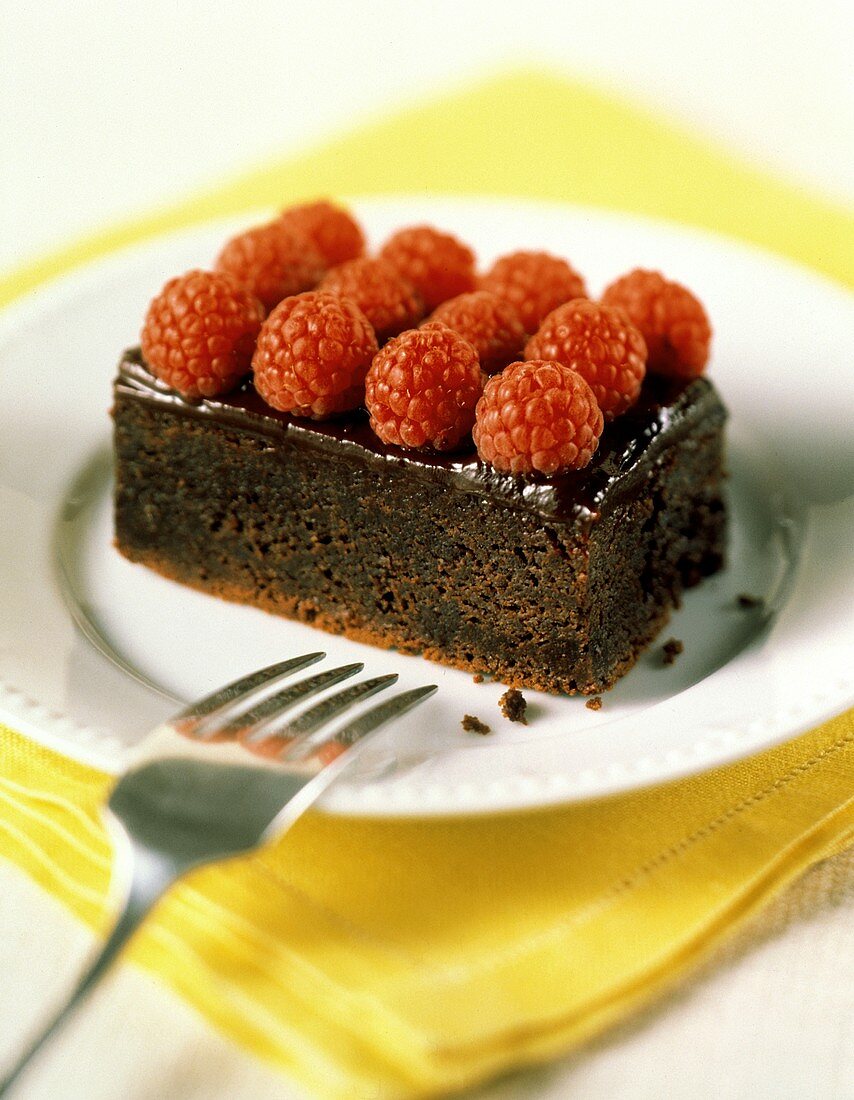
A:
(744, 599)
(513, 706)
(671, 650)
(474, 725)
(594, 704)
(477, 678)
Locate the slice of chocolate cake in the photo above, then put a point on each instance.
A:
(554, 583)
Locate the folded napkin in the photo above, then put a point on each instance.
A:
(408, 958)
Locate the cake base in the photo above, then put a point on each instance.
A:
(558, 589)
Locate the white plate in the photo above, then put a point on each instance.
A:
(746, 680)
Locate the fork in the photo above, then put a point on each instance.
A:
(216, 780)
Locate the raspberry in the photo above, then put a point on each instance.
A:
(673, 322)
(387, 300)
(199, 333)
(312, 355)
(599, 342)
(422, 388)
(537, 417)
(272, 261)
(331, 229)
(435, 263)
(535, 283)
(489, 323)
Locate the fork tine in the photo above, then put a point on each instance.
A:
(327, 750)
(234, 692)
(320, 713)
(252, 723)
(275, 739)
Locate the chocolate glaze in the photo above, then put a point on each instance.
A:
(665, 411)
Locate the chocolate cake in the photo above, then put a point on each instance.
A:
(553, 582)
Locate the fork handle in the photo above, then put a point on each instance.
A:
(150, 879)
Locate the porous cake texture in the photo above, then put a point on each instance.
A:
(553, 583)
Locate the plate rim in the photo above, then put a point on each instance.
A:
(102, 749)
(17, 309)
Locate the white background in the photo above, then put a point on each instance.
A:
(109, 109)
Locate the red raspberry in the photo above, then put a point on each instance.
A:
(535, 283)
(333, 231)
(537, 417)
(599, 343)
(422, 388)
(199, 333)
(489, 323)
(673, 322)
(387, 300)
(312, 355)
(436, 264)
(272, 261)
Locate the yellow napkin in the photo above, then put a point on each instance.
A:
(407, 958)
(525, 134)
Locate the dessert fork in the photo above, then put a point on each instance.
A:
(195, 795)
